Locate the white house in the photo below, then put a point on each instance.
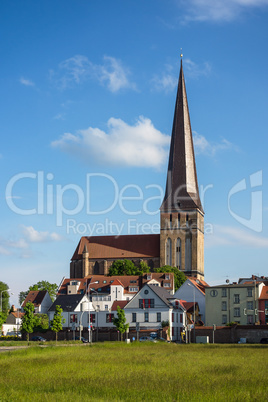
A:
(76, 309)
(40, 299)
(193, 290)
(151, 306)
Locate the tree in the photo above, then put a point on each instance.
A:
(41, 322)
(41, 285)
(120, 321)
(179, 276)
(28, 319)
(127, 267)
(4, 295)
(58, 320)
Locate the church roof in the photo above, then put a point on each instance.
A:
(182, 186)
(119, 247)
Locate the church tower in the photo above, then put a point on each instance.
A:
(182, 215)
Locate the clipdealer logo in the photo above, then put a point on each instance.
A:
(51, 200)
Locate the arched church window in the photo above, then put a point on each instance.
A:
(188, 252)
(178, 253)
(168, 252)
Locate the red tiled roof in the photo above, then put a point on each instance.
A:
(104, 282)
(264, 293)
(116, 282)
(35, 296)
(17, 315)
(187, 305)
(199, 283)
(119, 247)
(120, 303)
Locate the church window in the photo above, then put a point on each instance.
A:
(168, 252)
(179, 220)
(188, 253)
(170, 221)
(178, 253)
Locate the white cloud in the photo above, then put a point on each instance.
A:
(227, 235)
(202, 146)
(33, 236)
(26, 82)
(79, 69)
(194, 70)
(218, 10)
(122, 145)
(167, 81)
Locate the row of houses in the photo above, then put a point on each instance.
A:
(149, 301)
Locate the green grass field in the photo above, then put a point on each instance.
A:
(136, 372)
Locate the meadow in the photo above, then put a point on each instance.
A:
(139, 372)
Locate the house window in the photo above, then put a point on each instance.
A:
(237, 312)
(134, 317)
(249, 292)
(181, 316)
(146, 303)
(146, 317)
(106, 307)
(158, 317)
(167, 277)
(224, 319)
(224, 306)
(167, 285)
(149, 277)
(250, 319)
(104, 281)
(168, 252)
(92, 318)
(250, 305)
(236, 299)
(224, 292)
(172, 317)
(109, 317)
(134, 289)
(73, 318)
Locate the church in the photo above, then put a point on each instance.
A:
(181, 240)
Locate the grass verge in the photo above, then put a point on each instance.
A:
(139, 371)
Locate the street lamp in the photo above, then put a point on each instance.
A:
(1, 291)
(89, 323)
(194, 306)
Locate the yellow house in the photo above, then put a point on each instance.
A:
(233, 303)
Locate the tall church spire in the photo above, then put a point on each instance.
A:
(182, 216)
(182, 186)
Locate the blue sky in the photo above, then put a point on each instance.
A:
(87, 100)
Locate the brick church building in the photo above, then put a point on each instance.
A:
(181, 239)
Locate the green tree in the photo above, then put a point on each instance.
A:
(41, 285)
(127, 267)
(179, 276)
(4, 296)
(58, 320)
(120, 321)
(28, 319)
(41, 322)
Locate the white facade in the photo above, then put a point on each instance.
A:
(190, 293)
